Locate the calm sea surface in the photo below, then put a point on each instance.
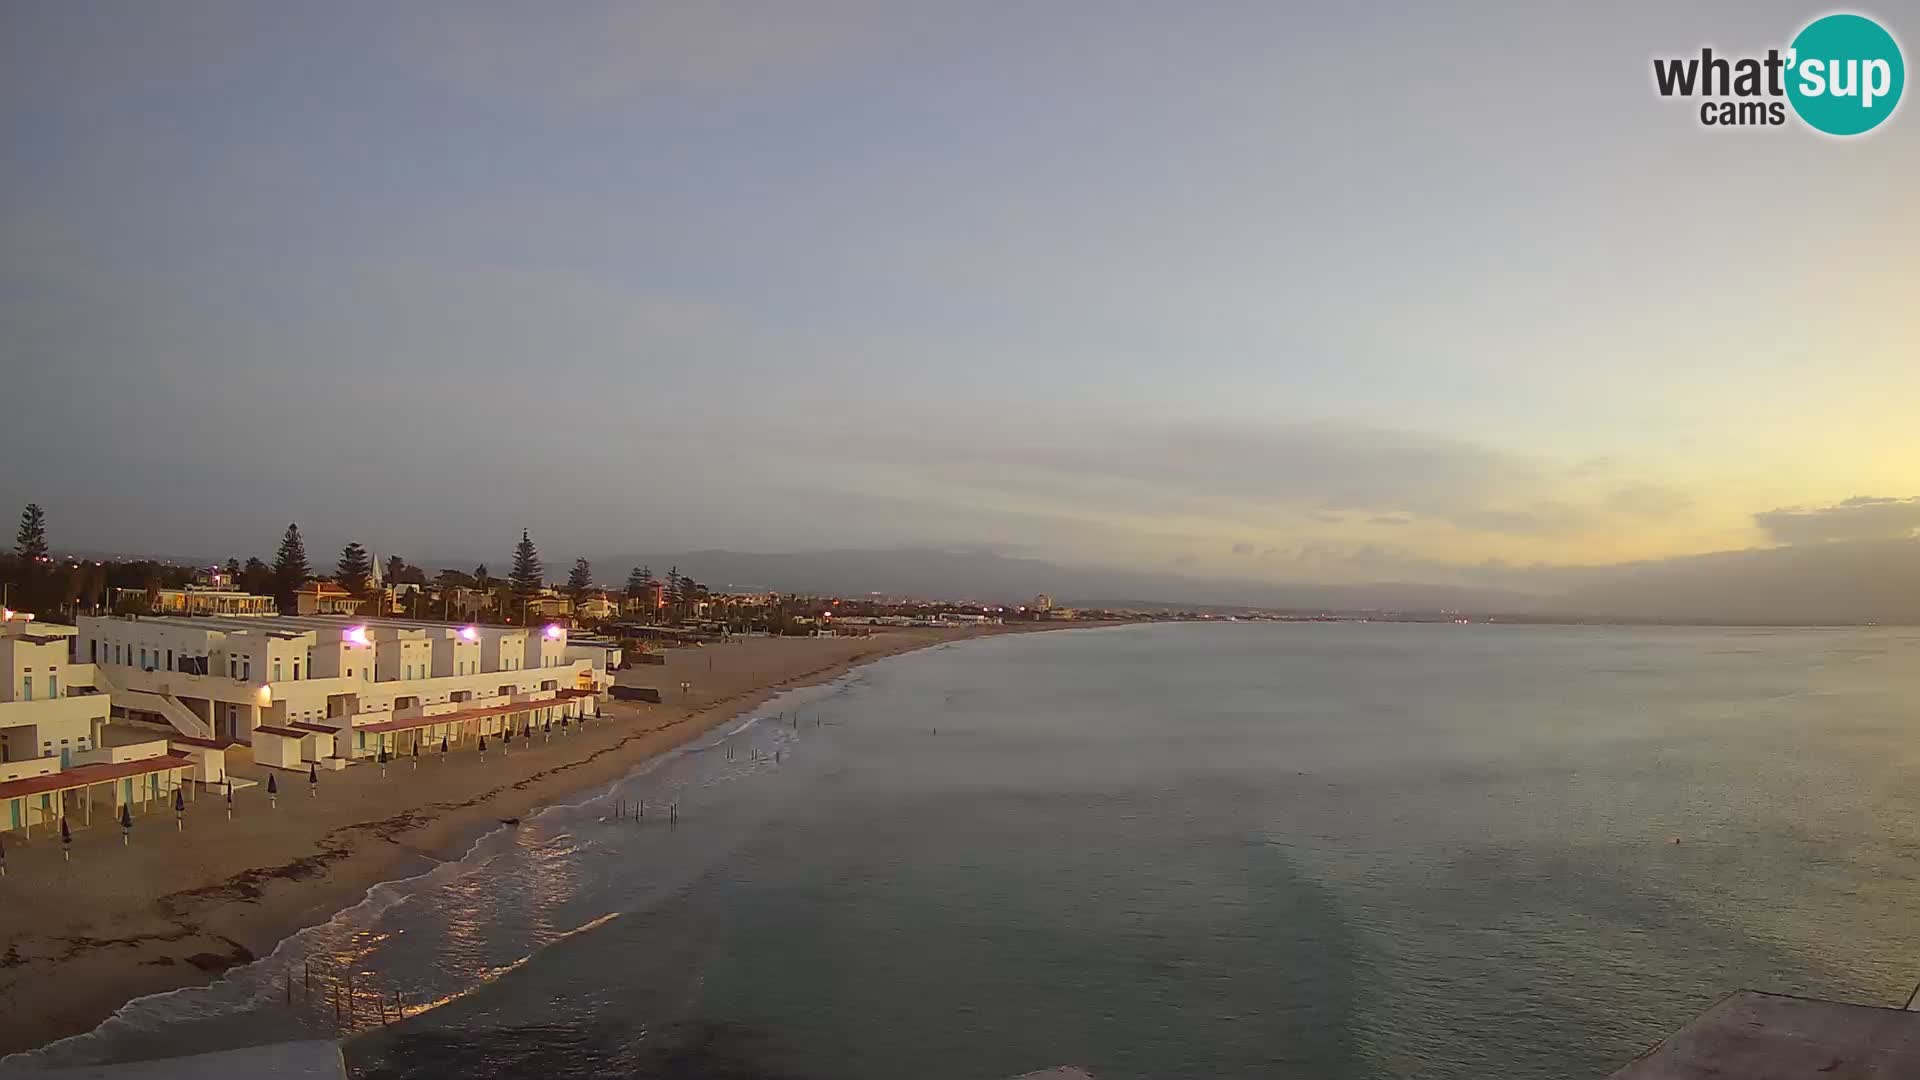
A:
(1324, 850)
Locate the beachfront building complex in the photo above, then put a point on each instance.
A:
(52, 763)
(341, 688)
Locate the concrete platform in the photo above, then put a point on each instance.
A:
(316, 1060)
(1754, 1036)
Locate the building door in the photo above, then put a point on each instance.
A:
(126, 790)
(13, 806)
(66, 757)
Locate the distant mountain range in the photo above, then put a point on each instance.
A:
(987, 577)
(1840, 582)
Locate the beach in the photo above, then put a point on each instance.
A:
(179, 905)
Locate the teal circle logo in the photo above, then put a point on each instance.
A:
(1845, 74)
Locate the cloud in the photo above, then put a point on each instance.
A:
(1243, 549)
(1863, 517)
(1314, 475)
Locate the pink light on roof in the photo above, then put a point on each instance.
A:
(468, 633)
(354, 635)
(553, 630)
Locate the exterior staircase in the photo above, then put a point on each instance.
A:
(164, 705)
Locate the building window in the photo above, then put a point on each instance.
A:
(26, 688)
(53, 685)
(246, 668)
(276, 671)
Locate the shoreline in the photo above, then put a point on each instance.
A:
(85, 950)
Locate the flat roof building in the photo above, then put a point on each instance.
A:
(225, 678)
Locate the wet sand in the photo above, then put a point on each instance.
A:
(176, 908)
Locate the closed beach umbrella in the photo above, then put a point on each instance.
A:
(66, 841)
(313, 780)
(273, 791)
(483, 748)
(383, 759)
(443, 744)
(126, 824)
(230, 798)
(3, 857)
(179, 809)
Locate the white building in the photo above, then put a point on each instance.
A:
(48, 708)
(333, 689)
(196, 600)
(51, 717)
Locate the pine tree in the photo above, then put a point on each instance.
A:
(396, 569)
(527, 576)
(256, 577)
(31, 542)
(482, 581)
(580, 580)
(233, 572)
(672, 596)
(354, 572)
(290, 569)
(637, 582)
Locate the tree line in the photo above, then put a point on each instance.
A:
(35, 581)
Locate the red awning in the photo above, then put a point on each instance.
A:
(464, 715)
(83, 775)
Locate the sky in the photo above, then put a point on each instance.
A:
(1283, 292)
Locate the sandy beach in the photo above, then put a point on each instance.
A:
(176, 908)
